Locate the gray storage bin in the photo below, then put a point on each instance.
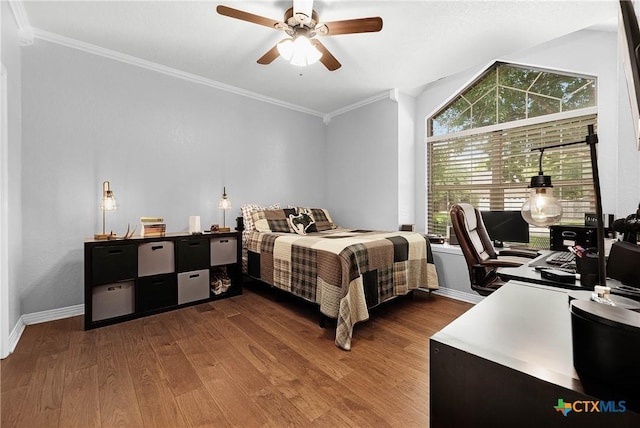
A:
(224, 250)
(193, 286)
(155, 258)
(113, 300)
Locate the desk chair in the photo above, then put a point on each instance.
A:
(482, 259)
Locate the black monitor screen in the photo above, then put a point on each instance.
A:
(505, 226)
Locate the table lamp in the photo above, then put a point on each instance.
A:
(108, 204)
(224, 205)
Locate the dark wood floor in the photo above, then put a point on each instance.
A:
(247, 361)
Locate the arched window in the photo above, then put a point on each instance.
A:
(479, 143)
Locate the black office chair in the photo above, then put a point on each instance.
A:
(482, 259)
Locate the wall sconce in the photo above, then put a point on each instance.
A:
(542, 208)
(108, 204)
(224, 205)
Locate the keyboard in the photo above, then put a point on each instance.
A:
(561, 258)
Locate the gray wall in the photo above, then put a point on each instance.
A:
(167, 146)
(12, 62)
(406, 159)
(586, 52)
(362, 166)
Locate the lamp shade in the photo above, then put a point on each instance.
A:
(542, 208)
(109, 202)
(299, 51)
(224, 203)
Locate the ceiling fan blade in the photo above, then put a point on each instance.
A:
(350, 26)
(327, 59)
(249, 17)
(270, 56)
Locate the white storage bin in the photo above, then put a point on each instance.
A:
(113, 300)
(193, 286)
(224, 250)
(155, 258)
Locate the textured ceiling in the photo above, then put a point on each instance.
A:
(421, 41)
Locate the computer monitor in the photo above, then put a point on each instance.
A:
(505, 226)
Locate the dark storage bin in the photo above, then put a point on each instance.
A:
(193, 254)
(112, 263)
(155, 292)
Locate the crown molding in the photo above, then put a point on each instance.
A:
(26, 37)
(25, 32)
(391, 94)
(20, 15)
(394, 95)
(159, 68)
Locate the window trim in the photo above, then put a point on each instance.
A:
(515, 124)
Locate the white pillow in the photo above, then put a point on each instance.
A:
(247, 220)
(249, 209)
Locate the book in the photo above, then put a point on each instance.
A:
(152, 226)
(151, 220)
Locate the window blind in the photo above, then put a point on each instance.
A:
(492, 170)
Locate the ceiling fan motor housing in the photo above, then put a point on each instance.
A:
(302, 21)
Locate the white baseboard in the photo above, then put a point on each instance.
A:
(14, 337)
(459, 295)
(53, 314)
(37, 318)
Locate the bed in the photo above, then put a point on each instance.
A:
(344, 271)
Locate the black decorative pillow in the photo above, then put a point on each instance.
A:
(320, 217)
(302, 223)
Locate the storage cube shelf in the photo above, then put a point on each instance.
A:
(133, 278)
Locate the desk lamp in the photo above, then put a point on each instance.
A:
(108, 204)
(542, 209)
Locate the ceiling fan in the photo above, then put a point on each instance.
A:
(302, 26)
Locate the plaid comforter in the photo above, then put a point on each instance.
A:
(344, 271)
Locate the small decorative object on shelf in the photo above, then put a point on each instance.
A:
(152, 226)
(194, 224)
(127, 235)
(215, 228)
(220, 281)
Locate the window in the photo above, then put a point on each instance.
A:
(478, 145)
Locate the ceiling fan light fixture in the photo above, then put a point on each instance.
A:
(301, 23)
(285, 49)
(299, 52)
